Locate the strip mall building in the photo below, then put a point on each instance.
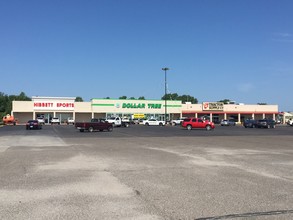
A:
(64, 107)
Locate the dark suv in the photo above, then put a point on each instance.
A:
(250, 123)
(266, 123)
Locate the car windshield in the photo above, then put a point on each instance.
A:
(32, 121)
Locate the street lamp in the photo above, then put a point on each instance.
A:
(165, 69)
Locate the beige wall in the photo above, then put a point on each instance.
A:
(251, 108)
(82, 107)
(22, 106)
(233, 108)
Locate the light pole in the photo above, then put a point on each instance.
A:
(165, 69)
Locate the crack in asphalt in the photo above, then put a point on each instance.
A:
(245, 215)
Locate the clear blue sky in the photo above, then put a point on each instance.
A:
(241, 50)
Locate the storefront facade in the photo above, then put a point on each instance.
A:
(239, 112)
(64, 107)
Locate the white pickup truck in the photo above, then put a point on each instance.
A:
(118, 121)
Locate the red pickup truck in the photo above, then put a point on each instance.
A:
(94, 125)
(191, 123)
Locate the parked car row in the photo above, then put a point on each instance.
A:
(188, 123)
(55, 120)
(262, 123)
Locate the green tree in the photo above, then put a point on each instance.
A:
(225, 101)
(262, 103)
(123, 97)
(6, 102)
(187, 98)
(132, 98)
(78, 99)
(170, 96)
(183, 98)
(141, 98)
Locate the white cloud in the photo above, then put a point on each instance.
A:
(283, 34)
(283, 37)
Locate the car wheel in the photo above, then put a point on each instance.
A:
(147, 124)
(81, 130)
(91, 129)
(126, 125)
(189, 127)
(161, 124)
(274, 126)
(110, 128)
(269, 126)
(208, 127)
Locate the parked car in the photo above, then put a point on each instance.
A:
(55, 120)
(117, 121)
(229, 122)
(290, 122)
(249, 123)
(190, 123)
(69, 121)
(266, 123)
(33, 124)
(153, 122)
(41, 120)
(177, 121)
(95, 124)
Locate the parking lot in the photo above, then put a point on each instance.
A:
(146, 173)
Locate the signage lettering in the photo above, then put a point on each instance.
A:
(142, 105)
(154, 105)
(54, 105)
(43, 104)
(138, 115)
(208, 106)
(133, 105)
(65, 105)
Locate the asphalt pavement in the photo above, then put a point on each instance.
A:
(146, 173)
